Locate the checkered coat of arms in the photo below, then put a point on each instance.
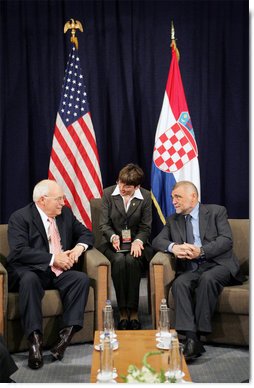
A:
(176, 146)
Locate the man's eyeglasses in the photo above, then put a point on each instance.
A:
(57, 199)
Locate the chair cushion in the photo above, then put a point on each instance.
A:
(234, 300)
(51, 304)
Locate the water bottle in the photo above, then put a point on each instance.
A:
(106, 359)
(164, 318)
(175, 360)
(108, 319)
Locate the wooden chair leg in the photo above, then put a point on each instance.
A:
(149, 293)
(1, 304)
(103, 293)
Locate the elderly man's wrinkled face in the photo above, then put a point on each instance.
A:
(53, 202)
(184, 199)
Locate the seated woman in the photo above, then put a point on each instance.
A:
(126, 226)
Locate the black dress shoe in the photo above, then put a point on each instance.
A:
(135, 324)
(65, 336)
(123, 324)
(192, 349)
(35, 358)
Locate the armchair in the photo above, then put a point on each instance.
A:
(94, 263)
(231, 319)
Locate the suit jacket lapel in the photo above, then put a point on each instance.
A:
(119, 204)
(39, 225)
(203, 221)
(135, 202)
(180, 223)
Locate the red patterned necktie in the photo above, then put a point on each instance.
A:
(55, 244)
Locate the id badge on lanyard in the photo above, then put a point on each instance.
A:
(126, 235)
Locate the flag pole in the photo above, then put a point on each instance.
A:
(173, 41)
(73, 26)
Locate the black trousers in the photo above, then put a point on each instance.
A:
(196, 294)
(126, 272)
(73, 287)
(7, 364)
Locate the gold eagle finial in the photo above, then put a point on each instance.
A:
(173, 41)
(73, 26)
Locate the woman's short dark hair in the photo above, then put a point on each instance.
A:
(131, 175)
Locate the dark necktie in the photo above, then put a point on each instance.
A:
(190, 264)
(189, 230)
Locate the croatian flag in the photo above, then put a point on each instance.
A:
(175, 154)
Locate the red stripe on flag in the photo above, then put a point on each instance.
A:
(71, 158)
(93, 145)
(85, 157)
(51, 177)
(89, 135)
(174, 88)
(71, 187)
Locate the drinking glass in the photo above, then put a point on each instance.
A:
(106, 361)
(164, 322)
(108, 323)
(175, 360)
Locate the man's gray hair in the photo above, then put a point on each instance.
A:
(40, 189)
(188, 184)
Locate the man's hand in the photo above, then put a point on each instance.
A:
(136, 248)
(76, 252)
(186, 251)
(63, 260)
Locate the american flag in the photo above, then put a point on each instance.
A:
(74, 161)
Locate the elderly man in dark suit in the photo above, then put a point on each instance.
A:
(46, 241)
(200, 238)
(126, 218)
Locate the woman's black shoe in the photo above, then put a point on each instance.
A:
(123, 324)
(135, 324)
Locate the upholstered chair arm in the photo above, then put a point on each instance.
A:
(3, 297)
(98, 268)
(162, 274)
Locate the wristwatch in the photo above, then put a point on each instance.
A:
(202, 253)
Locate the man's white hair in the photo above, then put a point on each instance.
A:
(42, 188)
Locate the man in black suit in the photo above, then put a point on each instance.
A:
(33, 263)
(200, 238)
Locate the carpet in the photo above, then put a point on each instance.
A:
(219, 364)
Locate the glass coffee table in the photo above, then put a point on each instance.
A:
(133, 344)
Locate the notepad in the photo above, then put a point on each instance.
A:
(124, 247)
